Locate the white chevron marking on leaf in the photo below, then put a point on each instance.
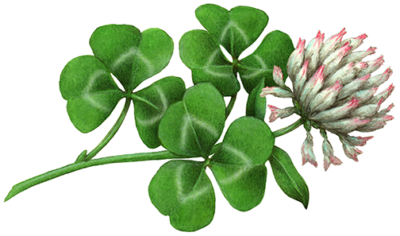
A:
(163, 98)
(184, 130)
(156, 118)
(234, 25)
(238, 153)
(237, 175)
(86, 91)
(210, 129)
(179, 184)
(264, 68)
(131, 53)
(196, 194)
(148, 122)
(123, 57)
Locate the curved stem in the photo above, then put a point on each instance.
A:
(111, 133)
(230, 106)
(162, 155)
(290, 128)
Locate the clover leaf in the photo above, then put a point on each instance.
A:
(274, 50)
(192, 126)
(182, 190)
(90, 91)
(203, 56)
(236, 29)
(239, 166)
(132, 57)
(150, 104)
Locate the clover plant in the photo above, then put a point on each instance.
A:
(188, 122)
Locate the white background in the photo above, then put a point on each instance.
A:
(38, 38)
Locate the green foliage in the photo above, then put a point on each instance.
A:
(257, 106)
(192, 127)
(186, 122)
(275, 49)
(130, 55)
(287, 177)
(150, 105)
(90, 91)
(239, 166)
(236, 29)
(182, 190)
(203, 56)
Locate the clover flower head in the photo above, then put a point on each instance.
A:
(333, 90)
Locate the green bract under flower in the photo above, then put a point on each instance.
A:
(333, 90)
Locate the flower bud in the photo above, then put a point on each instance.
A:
(277, 92)
(301, 79)
(312, 86)
(312, 52)
(336, 112)
(333, 61)
(351, 151)
(345, 125)
(377, 80)
(278, 77)
(295, 60)
(326, 98)
(334, 91)
(355, 141)
(331, 44)
(358, 56)
(352, 87)
(372, 66)
(329, 157)
(280, 113)
(307, 151)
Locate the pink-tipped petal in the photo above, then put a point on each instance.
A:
(278, 76)
(353, 86)
(357, 56)
(378, 79)
(277, 92)
(344, 74)
(355, 141)
(372, 66)
(351, 152)
(329, 157)
(295, 60)
(382, 95)
(280, 113)
(307, 151)
(345, 125)
(312, 53)
(355, 42)
(373, 125)
(367, 110)
(332, 62)
(326, 98)
(336, 113)
(331, 44)
(383, 112)
(301, 78)
(313, 85)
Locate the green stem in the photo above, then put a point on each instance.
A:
(162, 155)
(230, 106)
(111, 133)
(290, 128)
